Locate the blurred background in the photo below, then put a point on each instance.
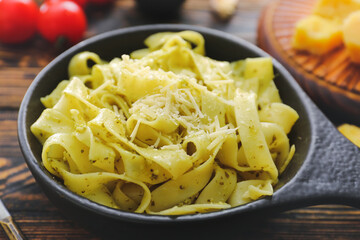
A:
(19, 63)
(23, 58)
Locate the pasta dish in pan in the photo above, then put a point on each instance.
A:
(167, 130)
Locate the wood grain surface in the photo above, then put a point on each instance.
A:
(331, 80)
(36, 215)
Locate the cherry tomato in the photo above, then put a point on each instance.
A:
(62, 19)
(18, 19)
(82, 3)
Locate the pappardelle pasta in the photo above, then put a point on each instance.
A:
(167, 130)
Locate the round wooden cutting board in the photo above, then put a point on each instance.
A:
(331, 80)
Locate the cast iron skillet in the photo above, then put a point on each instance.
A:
(324, 170)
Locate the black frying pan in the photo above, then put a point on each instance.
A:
(325, 168)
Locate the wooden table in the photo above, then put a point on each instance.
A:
(35, 214)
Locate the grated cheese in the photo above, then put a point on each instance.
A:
(196, 107)
(135, 130)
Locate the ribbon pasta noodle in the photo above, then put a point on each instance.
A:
(167, 130)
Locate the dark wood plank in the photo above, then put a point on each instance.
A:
(36, 215)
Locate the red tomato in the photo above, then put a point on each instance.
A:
(62, 19)
(18, 20)
(82, 3)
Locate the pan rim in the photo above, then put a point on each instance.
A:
(98, 209)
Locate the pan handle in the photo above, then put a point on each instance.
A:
(330, 173)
